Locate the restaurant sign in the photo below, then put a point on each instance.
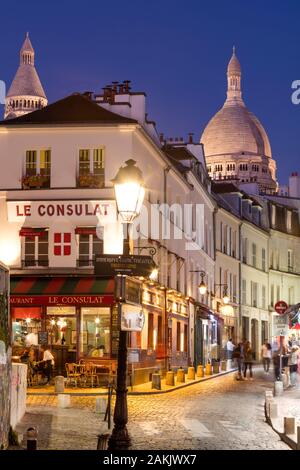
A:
(37, 211)
(131, 265)
(91, 300)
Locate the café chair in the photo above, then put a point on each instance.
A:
(72, 375)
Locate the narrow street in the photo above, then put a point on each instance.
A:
(218, 414)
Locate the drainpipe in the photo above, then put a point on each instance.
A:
(167, 363)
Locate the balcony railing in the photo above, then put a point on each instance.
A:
(85, 262)
(34, 263)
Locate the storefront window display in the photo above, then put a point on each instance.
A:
(95, 332)
(61, 326)
(26, 326)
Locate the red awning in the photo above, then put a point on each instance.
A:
(85, 230)
(31, 232)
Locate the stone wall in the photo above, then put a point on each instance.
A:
(5, 371)
(18, 393)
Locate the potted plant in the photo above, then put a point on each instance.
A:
(89, 180)
(34, 181)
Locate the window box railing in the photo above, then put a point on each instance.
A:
(90, 180)
(34, 263)
(85, 262)
(35, 181)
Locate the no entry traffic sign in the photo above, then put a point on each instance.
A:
(281, 307)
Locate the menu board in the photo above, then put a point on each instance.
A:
(115, 330)
(43, 337)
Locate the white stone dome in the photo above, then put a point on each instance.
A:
(235, 130)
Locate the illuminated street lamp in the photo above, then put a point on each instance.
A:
(202, 286)
(226, 297)
(129, 192)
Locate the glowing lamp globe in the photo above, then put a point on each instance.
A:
(129, 191)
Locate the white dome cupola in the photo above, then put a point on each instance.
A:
(26, 93)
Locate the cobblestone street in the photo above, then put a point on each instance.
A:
(218, 414)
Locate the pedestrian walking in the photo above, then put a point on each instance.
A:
(238, 355)
(248, 360)
(266, 353)
(229, 348)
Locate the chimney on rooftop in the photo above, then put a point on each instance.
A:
(191, 139)
(121, 88)
(88, 94)
(161, 137)
(115, 86)
(126, 84)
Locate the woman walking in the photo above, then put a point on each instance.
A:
(248, 360)
(266, 353)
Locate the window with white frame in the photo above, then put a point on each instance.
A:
(291, 295)
(272, 295)
(244, 292)
(91, 167)
(263, 259)
(254, 294)
(89, 244)
(37, 169)
(254, 255)
(34, 247)
(263, 296)
(290, 260)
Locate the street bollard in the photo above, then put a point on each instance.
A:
(100, 406)
(63, 401)
(208, 369)
(180, 375)
(298, 437)
(156, 381)
(200, 371)
(31, 436)
(289, 425)
(273, 410)
(102, 441)
(170, 378)
(59, 384)
(228, 364)
(278, 388)
(191, 373)
(223, 365)
(216, 367)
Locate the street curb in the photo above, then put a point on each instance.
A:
(152, 392)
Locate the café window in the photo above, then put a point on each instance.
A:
(89, 243)
(95, 332)
(61, 326)
(26, 326)
(34, 247)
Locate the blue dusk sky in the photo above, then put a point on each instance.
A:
(175, 51)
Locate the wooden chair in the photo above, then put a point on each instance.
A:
(72, 374)
(90, 373)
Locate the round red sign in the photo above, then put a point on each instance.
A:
(281, 306)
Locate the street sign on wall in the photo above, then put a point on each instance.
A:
(132, 318)
(280, 325)
(281, 307)
(131, 265)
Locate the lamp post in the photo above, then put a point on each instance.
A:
(225, 298)
(202, 286)
(129, 191)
